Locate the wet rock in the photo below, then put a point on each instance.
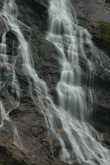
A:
(7, 158)
(26, 135)
(94, 16)
(28, 119)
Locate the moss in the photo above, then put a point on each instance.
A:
(10, 161)
(6, 158)
(104, 31)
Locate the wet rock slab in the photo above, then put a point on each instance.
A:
(27, 118)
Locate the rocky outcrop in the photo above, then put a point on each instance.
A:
(35, 144)
(25, 139)
(94, 15)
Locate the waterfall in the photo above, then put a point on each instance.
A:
(69, 120)
(37, 87)
(74, 108)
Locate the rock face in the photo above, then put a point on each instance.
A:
(92, 11)
(29, 120)
(94, 16)
(30, 144)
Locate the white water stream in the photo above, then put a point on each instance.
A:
(74, 108)
(68, 121)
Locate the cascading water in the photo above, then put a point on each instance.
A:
(37, 87)
(73, 108)
(67, 121)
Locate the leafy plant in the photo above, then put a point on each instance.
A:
(104, 31)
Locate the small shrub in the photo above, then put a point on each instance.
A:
(104, 31)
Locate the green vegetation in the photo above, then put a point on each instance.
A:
(104, 31)
(6, 158)
(10, 161)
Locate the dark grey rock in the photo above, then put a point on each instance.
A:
(29, 119)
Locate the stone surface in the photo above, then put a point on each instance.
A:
(35, 146)
(94, 16)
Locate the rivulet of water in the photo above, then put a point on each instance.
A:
(69, 120)
(74, 108)
(38, 90)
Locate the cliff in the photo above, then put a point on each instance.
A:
(93, 15)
